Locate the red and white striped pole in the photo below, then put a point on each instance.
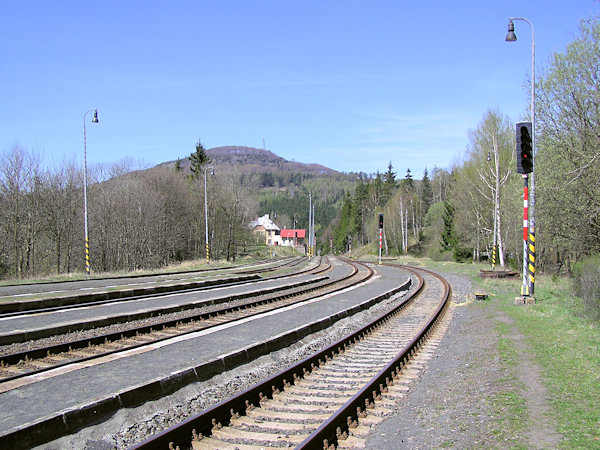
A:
(380, 235)
(380, 242)
(525, 287)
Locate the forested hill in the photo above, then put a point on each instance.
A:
(259, 160)
(278, 186)
(246, 160)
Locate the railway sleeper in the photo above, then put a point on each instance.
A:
(285, 417)
(351, 441)
(304, 400)
(324, 390)
(359, 365)
(39, 364)
(281, 407)
(228, 434)
(341, 378)
(263, 426)
(8, 371)
(208, 443)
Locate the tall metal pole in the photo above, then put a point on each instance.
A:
(85, 206)
(206, 214)
(313, 232)
(309, 223)
(530, 266)
(525, 287)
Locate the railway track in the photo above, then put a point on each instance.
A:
(68, 327)
(328, 399)
(15, 368)
(101, 295)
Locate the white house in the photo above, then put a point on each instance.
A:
(268, 229)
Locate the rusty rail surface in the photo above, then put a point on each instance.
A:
(338, 424)
(101, 339)
(223, 412)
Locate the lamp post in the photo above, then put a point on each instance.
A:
(85, 208)
(528, 288)
(309, 224)
(206, 211)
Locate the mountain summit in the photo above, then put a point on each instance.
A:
(256, 160)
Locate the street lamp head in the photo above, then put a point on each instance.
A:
(511, 36)
(95, 119)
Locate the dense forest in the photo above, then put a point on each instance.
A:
(150, 217)
(458, 214)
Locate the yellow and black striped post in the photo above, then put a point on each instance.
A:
(493, 257)
(531, 265)
(87, 256)
(207, 254)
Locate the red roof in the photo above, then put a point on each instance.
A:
(299, 234)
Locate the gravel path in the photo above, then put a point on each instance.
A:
(452, 404)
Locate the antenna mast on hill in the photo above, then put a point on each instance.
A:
(264, 148)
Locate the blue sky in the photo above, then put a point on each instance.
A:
(349, 84)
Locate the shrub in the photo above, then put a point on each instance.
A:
(586, 279)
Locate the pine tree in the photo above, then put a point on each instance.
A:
(389, 184)
(407, 184)
(426, 191)
(197, 160)
(448, 240)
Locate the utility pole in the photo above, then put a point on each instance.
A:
(309, 223)
(313, 232)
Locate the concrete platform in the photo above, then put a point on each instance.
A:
(63, 403)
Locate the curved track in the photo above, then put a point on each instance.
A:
(39, 359)
(319, 401)
(82, 294)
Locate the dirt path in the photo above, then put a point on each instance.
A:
(541, 432)
(457, 402)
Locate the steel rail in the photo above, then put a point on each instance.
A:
(38, 334)
(202, 423)
(327, 435)
(106, 297)
(57, 349)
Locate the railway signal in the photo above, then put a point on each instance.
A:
(524, 148)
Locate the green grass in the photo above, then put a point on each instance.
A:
(564, 343)
(566, 346)
(509, 405)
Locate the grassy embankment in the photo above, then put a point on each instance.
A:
(563, 342)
